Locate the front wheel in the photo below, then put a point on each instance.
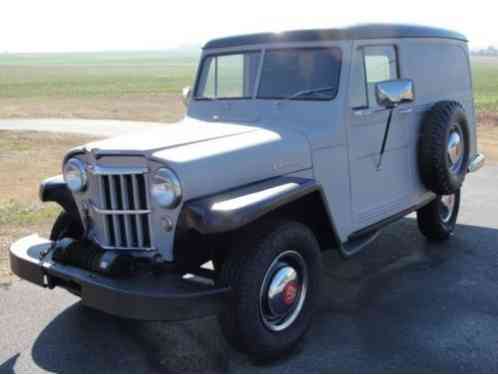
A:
(437, 220)
(275, 277)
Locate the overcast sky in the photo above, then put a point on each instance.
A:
(94, 25)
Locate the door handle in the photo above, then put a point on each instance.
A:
(368, 112)
(405, 111)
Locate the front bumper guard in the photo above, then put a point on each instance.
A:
(476, 163)
(149, 296)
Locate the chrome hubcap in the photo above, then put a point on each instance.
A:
(455, 149)
(447, 207)
(283, 291)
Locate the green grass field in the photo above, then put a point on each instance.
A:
(94, 74)
(117, 74)
(485, 74)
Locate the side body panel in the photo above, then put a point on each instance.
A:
(330, 160)
(440, 70)
(377, 193)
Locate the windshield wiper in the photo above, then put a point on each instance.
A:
(309, 92)
(209, 98)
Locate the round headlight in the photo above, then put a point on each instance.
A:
(75, 175)
(166, 188)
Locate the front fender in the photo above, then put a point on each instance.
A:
(55, 189)
(233, 209)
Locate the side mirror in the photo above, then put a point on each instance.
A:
(393, 93)
(186, 95)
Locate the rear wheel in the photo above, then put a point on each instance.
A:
(275, 277)
(437, 220)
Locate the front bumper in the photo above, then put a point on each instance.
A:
(149, 296)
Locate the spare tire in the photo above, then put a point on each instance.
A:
(444, 148)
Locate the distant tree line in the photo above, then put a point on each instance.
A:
(490, 51)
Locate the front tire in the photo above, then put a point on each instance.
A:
(437, 220)
(275, 276)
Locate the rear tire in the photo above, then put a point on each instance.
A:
(437, 220)
(275, 258)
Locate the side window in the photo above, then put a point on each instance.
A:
(381, 64)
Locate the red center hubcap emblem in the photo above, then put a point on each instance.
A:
(290, 292)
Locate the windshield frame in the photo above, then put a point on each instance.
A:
(257, 84)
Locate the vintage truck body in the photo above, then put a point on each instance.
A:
(332, 129)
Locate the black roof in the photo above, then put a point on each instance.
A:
(366, 31)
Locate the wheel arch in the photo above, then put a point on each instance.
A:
(55, 189)
(299, 199)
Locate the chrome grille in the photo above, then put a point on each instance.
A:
(125, 208)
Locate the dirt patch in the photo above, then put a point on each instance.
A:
(487, 119)
(488, 143)
(487, 135)
(160, 107)
(26, 158)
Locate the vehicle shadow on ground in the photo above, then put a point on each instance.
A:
(403, 305)
(8, 366)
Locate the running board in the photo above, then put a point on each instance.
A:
(357, 244)
(359, 239)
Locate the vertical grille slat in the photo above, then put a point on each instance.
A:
(126, 206)
(114, 207)
(138, 220)
(132, 206)
(145, 225)
(103, 200)
(148, 218)
(142, 195)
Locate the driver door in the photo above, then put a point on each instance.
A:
(376, 193)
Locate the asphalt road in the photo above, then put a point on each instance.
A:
(404, 305)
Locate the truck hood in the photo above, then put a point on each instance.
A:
(210, 157)
(185, 132)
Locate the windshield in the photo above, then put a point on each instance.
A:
(228, 76)
(300, 74)
(293, 74)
